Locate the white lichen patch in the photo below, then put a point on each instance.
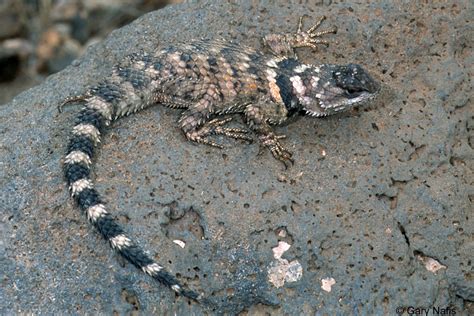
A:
(294, 271)
(431, 264)
(179, 243)
(280, 249)
(282, 270)
(327, 283)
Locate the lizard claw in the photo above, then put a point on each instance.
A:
(72, 99)
(278, 151)
(310, 37)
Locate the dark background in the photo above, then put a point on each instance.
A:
(41, 37)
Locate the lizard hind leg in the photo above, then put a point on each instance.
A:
(257, 120)
(200, 133)
(215, 127)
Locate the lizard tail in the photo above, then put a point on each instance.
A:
(91, 122)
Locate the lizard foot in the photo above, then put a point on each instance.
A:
(284, 44)
(278, 151)
(311, 37)
(215, 127)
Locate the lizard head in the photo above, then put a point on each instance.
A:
(328, 89)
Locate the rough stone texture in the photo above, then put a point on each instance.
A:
(370, 192)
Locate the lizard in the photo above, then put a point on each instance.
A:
(207, 79)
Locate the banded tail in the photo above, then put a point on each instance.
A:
(106, 102)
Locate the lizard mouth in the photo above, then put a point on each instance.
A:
(357, 98)
(337, 105)
(352, 94)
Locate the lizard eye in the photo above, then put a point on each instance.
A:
(354, 80)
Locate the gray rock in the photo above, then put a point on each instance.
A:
(395, 182)
(10, 15)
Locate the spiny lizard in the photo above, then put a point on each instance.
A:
(207, 79)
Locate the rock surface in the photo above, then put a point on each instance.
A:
(373, 195)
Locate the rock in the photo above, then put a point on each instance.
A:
(13, 56)
(394, 182)
(56, 49)
(10, 15)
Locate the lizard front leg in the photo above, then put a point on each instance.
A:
(258, 119)
(283, 44)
